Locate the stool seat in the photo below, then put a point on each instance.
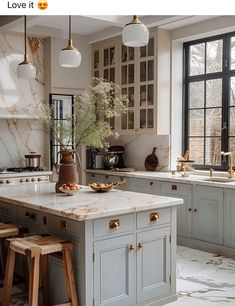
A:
(8, 230)
(36, 244)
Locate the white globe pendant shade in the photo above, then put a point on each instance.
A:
(26, 71)
(70, 58)
(135, 34)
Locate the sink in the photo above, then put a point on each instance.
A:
(220, 179)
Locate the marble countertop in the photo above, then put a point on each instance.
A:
(86, 204)
(193, 178)
(9, 174)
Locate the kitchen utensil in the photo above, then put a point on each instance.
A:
(32, 160)
(151, 161)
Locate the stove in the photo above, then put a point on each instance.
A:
(24, 175)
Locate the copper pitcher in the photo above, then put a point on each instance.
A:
(67, 168)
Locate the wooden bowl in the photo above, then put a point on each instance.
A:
(104, 187)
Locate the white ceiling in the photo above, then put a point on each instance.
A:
(94, 27)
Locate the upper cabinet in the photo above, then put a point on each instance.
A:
(142, 77)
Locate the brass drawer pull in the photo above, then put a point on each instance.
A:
(131, 248)
(154, 217)
(114, 224)
(174, 187)
(140, 245)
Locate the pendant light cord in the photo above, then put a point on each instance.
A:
(25, 39)
(69, 27)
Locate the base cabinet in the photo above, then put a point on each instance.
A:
(230, 218)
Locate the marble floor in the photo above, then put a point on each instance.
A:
(203, 279)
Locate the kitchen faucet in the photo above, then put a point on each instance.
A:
(230, 163)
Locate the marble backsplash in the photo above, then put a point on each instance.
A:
(19, 100)
(138, 147)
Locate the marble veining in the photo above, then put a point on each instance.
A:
(86, 204)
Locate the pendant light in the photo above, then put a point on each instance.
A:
(26, 70)
(135, 33)
(70, 56)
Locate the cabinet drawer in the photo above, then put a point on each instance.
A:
(114, 225)
(146, 186)
(153, 217)
(175, 188)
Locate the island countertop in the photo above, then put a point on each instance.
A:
(86, 204)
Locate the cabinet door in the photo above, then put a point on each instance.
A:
(230, 218)
(153, 264)
(207, 222)
(114, 271)
(145, 185)
(184, 211)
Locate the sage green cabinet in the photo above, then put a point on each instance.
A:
(208, 214)
(230, 218)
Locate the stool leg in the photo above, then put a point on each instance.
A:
(45, 279)
(34, 280)
(10, 265)
(69, 276)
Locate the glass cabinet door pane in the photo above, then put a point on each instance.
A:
(142, 71)
(112, 75)
(143, 51)
(151, 47)
(124, 74)
(150, 118)
(197, 59)
(150, 94)
(214, 55)
(232, 53)
(106, 74)
(196, 149)
(96, 74)
(142, 95)
(106, 57)
(112, 56)
(96, 59)
(124, 53)
(131, 74)
(213, 151)
(124, 121)
(196, 94)
(124, 91)
(142, 118)
(150, 70)
(131, 119)
(131, 53)
(131, 96)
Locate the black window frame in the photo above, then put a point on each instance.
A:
(225, 75)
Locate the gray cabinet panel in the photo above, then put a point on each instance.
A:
(153, 264)
(114, 271)
(208, 214)
(230, 218)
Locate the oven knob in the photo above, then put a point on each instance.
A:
(33, 179)
(39, 179)
(2, 182)
(27, 180)
(8, 182)
(21, 181)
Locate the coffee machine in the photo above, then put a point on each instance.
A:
(118, 151)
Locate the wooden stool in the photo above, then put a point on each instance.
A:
(39, 247)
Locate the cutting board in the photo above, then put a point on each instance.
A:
(151, 161)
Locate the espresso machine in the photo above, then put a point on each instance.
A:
(115, 158)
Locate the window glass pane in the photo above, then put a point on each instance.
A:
(150, 118)
(197, 59)
(112, 75)
(196, 94)
(142, 51)
(131, 53)
(106, 57)
(150, 94)
(232, 52)
(112, 56)
(131, 74)
(232, 121)
(214, 93)
(151, 47)
(214, 55)
(96, 59)
(124, 53)
(124, 121)
(131, 119)
(213, 151)
(142, 118)
(232, 91)
(196, 149)
(131, 96)
(150, 70)
(106, 74)
(142, 71)
(213, 122)
(143, 95)
(196, 122)
(232, 144)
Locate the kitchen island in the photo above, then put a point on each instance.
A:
(124, 242)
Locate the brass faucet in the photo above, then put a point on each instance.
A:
(230, 163)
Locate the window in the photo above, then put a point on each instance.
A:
(209, 100)
(63, 106)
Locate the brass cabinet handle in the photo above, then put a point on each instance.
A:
(195, 210)
(154, 217)
(174, 187)
(140, 245)
(190, 209)
(131, 248)
(114, 224)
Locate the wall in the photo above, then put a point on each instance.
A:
(19, 98)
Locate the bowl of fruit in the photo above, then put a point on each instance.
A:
(70, 188)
